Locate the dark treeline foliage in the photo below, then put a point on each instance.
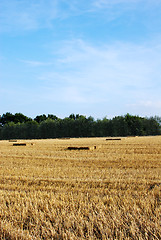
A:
(18, 126)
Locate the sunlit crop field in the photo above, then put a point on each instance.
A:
(112, 191)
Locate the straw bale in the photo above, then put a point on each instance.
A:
(113, 139)
(19, 144)
(82, 148)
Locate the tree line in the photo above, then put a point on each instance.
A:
(19, 126)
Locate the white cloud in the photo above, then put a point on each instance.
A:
(147, 104)
(143, 12)
(97, 74)
(36, 63)
(109, 3)
(22, 15)
(27, 15)
(148, 107)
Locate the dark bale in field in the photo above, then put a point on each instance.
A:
(113, 139)
(23, 144)
(82, 148)
(19, 144)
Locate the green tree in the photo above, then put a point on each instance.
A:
(53, 117)
(48, 129)
(20, 118)
(40, 118)
(151, 126)
(6, 118)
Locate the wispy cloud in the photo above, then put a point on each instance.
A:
(27, 15)
(148, 107)
(109, 3)
(147, 104)
(99, 74)
(22, 15)
(102, 53)
(36, 63)
(134, 10)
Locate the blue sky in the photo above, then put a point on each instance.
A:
(96, 57)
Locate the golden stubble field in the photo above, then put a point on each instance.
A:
(111, 192)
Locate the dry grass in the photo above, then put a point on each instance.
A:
(111, 192)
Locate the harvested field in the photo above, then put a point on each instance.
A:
(112, 192)
(64, 138)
